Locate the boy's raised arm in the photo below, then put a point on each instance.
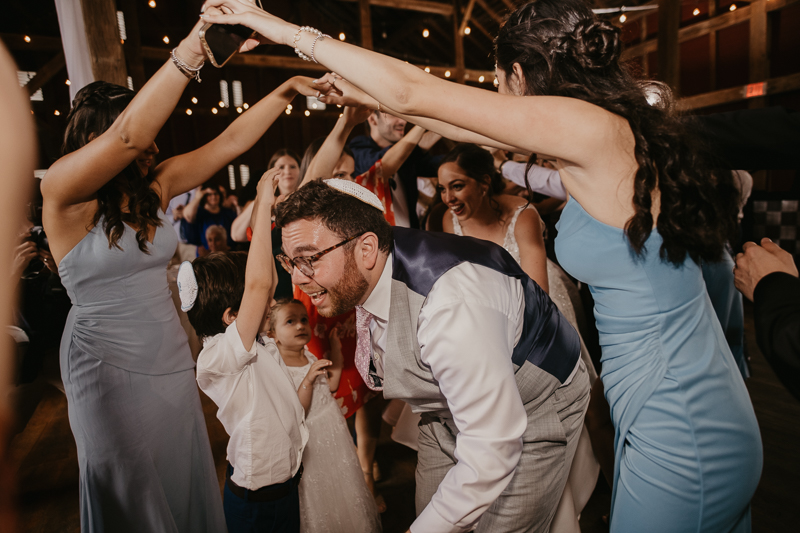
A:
(259, 277)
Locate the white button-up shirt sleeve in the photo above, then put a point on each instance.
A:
(467, 330)
(542, 180)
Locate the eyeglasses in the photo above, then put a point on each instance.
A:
(303, 264)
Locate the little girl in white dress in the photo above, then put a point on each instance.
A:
(334, 497)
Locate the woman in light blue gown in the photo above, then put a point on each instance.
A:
(134, 409)
(645, 209)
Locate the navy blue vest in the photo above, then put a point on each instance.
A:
(548, 341)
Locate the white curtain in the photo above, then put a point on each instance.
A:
(76, 47)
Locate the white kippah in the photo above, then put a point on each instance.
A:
(356, 191)
(187, 286)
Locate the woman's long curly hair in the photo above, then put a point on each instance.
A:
(565, 51)
(94, 110)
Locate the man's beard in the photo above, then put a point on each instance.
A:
(348, 292)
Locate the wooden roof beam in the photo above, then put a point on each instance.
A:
(467, 15)
(413, 5)
(688, 33)
(490, 11)
(737, 94)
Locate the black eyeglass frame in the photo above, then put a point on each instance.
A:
(303, 264)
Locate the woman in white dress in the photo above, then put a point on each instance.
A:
(470, 186)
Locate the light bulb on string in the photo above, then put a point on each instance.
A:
(733, 7)
(467, 30)
(428, 69)
(194, 99)
(447, 74)
(189, 112)
(696, 11)
(27, 38)
(307, 113)
(342, 36)
(152, 3)
(214, 110)
(425, 32)
(165, 39)
(480, 79)
(623, 18)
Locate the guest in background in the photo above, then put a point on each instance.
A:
(768, 277)
(206, 210)
(217, 239)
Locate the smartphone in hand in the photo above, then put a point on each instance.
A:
(222, 41)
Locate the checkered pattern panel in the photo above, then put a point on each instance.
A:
(778, 220)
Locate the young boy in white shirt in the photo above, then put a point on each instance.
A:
(243, 373)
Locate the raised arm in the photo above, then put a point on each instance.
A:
(242, 222)
(190, 211)
(77, 176)
(184, 172)
(321, 167)
(565, 128)
(259, 281)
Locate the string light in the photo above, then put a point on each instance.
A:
(194, 99)
(425, 32)
(623, 18)
(27, 38)
(447, 74)
(467, 30)
(289, 107)
(288, 111)
(152, 3)
(339, 106)
(221, 103)
(68, 82)
(214, 110)
(480, 79)
(696, 11)
(57, 112)
(188, 111)
(341, 115)
(308, 113)
(239, 110)
(165, 39)
(428, 69)
(733, 7)
(246, 106)
(341, 36)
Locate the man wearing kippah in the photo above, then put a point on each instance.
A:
(452, 326)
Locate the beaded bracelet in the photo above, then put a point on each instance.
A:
(316, 32)
(186, 70)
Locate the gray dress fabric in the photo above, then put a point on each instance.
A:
(143, 450)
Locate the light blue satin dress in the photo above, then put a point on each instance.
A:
(143, 449)
(688, 450)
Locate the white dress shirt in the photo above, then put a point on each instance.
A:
(467, 330)
(258, 405)
(542, 180)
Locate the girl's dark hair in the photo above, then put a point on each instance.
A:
(94, 110)
(565, 51)
(280, 304)
(220, 285)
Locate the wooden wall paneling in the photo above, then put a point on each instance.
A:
(779, 85)
(712, 49)
(108, 60)
(669, 18)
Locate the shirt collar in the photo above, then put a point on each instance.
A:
(380, 299)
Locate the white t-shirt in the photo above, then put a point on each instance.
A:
(258, 405)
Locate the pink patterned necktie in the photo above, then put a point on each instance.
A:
(363, 358)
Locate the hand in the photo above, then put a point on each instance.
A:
(23, 255)
(177, 213)
(304, 86)
(758, 261)
(190, 49)
(265, 190)
(354, 116)
(270, 29)
(333, 339)
(231, 202)
(318, 368)
(49, 262)
(333, 89)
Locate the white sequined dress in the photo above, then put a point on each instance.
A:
(334, 497)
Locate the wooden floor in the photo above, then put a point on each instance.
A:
(48, 468)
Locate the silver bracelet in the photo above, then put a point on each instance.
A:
(320, 37)
(186, 70)
(316, 32)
